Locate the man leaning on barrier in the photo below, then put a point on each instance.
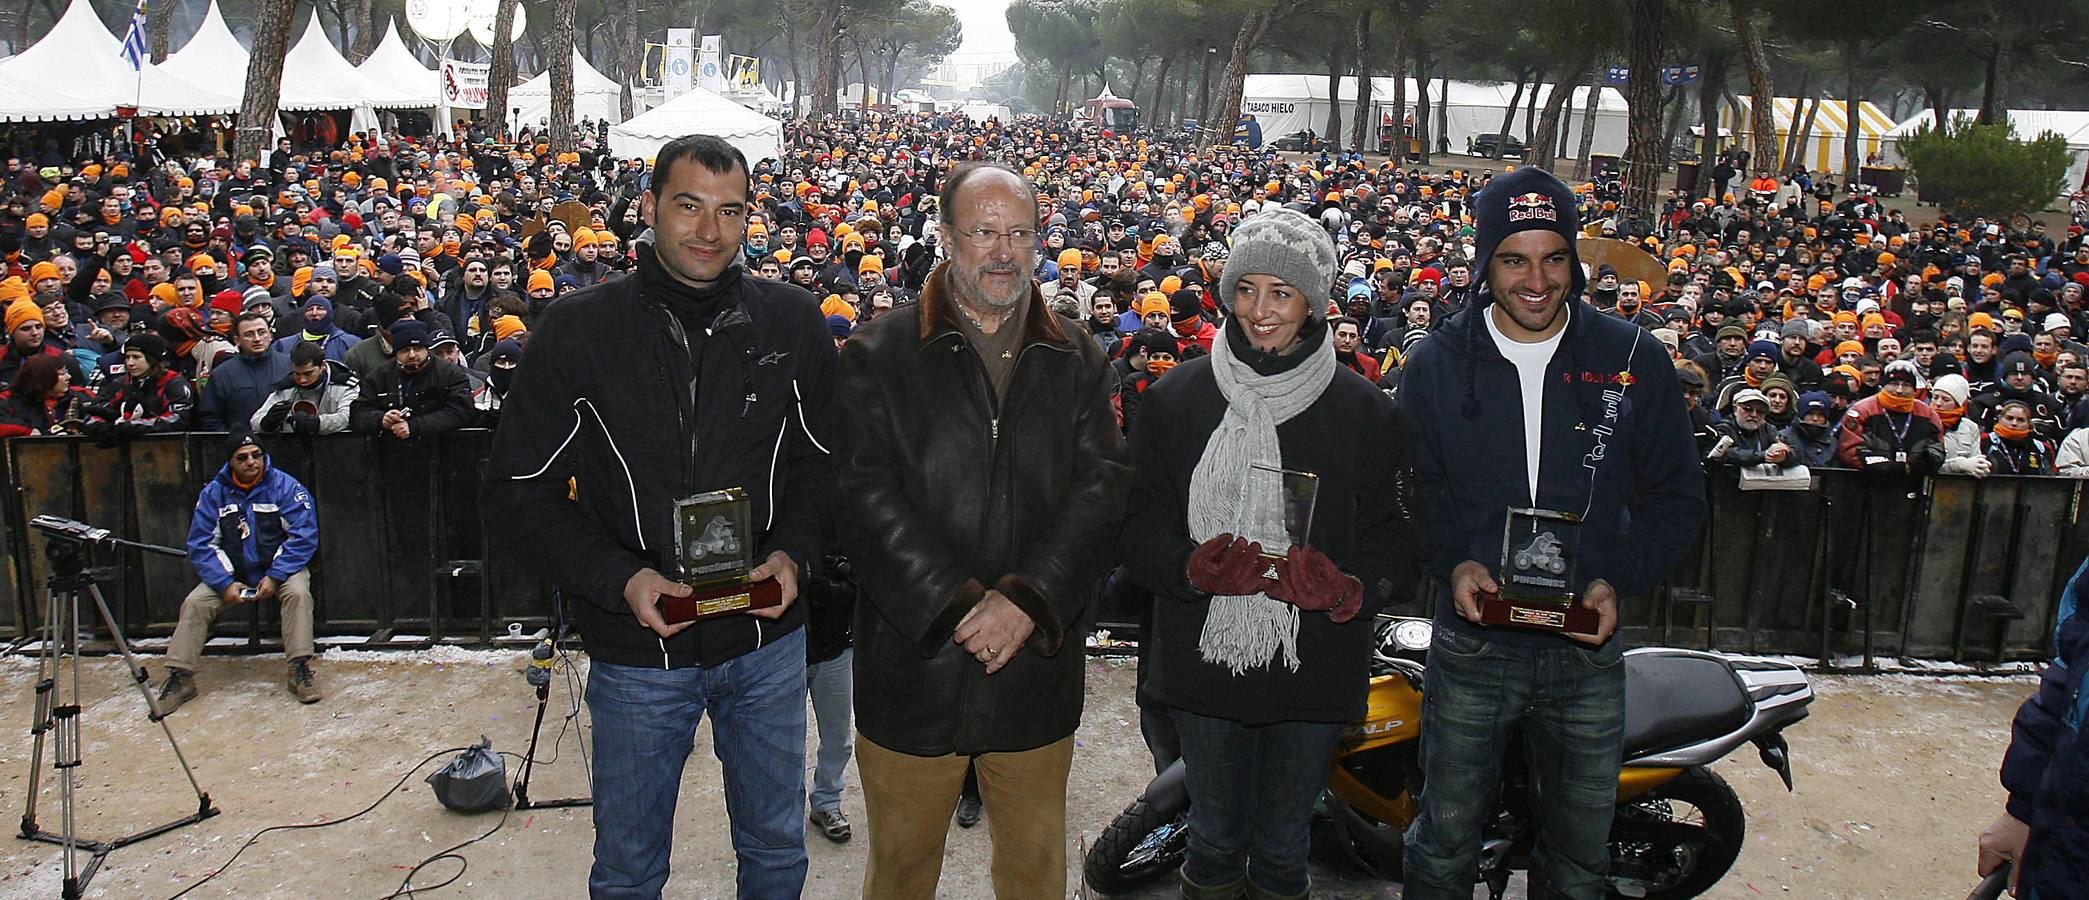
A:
(253, 535)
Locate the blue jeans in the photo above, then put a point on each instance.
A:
(1252, 790)
(1570, 703)
(833, 687)
(645, 724)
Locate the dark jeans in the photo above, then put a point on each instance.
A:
(1570, 702)
(645, 724)
(1252, 790)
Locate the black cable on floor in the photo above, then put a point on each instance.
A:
(303, 825)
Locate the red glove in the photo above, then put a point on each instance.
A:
(1229, 565)
(1307, 579)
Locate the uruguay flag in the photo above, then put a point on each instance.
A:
(134, 50)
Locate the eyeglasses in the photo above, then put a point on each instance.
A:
(984, 237)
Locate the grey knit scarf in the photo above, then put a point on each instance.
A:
(1227, 493)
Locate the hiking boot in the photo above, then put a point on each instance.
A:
(1193, 891)
(1258, 892)
(179, 688)
(832, 824)
(967, 812)
(301, 683)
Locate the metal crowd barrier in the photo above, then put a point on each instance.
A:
(1861, 567)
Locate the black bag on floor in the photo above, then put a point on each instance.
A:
(476, 781)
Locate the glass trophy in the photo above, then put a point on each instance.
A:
(1291, 526)
(714, 554)
(1539, 584)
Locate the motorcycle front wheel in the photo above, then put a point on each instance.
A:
(1678, 839)
(1142, 845)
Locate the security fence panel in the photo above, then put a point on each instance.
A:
(1859, 567)
(45, 476)
(161, 477)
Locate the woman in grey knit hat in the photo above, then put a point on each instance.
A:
(1260, 661)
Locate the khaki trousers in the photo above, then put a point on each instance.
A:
(908, 801)
(202, 605)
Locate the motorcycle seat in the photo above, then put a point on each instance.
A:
(1676, 700)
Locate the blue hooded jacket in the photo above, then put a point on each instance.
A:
(2047, 767)
(240, 535)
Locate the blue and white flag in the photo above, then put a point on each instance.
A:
(134, 39)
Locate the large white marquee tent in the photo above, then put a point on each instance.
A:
(315, 75)
(77, 71)
(2068, 123)
(595, 96)
(1284, 103)
(698, 112)
(394, 67)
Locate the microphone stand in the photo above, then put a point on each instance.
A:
(539, 676)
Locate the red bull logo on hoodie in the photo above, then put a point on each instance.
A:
(1532, 205)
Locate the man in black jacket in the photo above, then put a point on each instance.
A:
(986, 484)
(688, 376)
(413, 394)
(1607, 441)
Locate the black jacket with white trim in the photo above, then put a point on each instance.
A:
(609, 396)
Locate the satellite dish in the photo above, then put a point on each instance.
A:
(482, 15)
(438, 20)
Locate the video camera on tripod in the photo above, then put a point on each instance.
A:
(59, 709)
(70, 529)
(67, 534)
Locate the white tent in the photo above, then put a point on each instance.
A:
(29, 101)
(699, 112)
(595, 96)
(212, 57)
(79, 63)
(1284, 103)
(394, 67)
(2029, 123)
(760, 99)
(1824, 144)
(317, 76)
(1472, 109)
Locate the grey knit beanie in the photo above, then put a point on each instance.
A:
(1284, 243)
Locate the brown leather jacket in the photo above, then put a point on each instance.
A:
(942, 492)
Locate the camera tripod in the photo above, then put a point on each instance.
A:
(58, 701)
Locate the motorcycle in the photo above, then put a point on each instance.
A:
(1678, 826)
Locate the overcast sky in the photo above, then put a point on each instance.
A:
(986, 30)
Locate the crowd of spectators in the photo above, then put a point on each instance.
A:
(388, 286)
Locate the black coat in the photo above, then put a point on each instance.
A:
(950, 491)
(1364, 520)
(601, 398)
(438, 399)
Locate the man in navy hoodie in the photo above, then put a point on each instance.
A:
(2046, 771)
(1531, 380)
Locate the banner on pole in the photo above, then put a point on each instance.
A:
(743, 73)
(681, 62)
(464, 83)
(710, 67)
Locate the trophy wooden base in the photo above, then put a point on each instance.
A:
(1538, 615)
(721, 600)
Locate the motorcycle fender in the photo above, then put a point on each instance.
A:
(1395, 811)
(1167, 793)
(1634, 781)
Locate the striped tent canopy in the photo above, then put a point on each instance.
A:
(1824, 143)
